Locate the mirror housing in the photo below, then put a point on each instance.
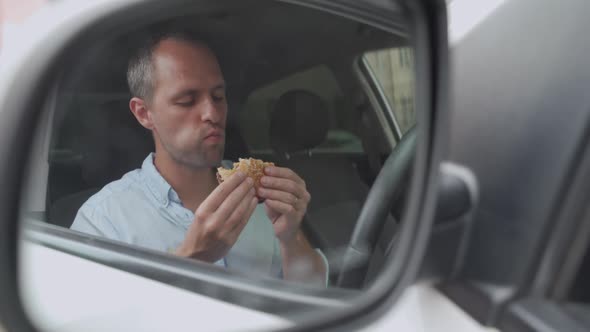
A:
(32, 82)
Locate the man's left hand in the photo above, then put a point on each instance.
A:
(286, 200)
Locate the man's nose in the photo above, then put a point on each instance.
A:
(211, 111)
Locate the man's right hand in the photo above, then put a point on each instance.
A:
(220, 219)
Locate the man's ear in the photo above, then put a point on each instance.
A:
(139, 109)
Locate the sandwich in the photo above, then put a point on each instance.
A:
(253, 168)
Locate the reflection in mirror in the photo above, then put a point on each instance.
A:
(130, 142)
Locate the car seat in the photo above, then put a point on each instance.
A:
(300, 122)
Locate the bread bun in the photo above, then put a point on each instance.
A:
(253, 168)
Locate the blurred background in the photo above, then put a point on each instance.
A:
(13, 13)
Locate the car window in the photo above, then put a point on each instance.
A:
(342, 135)
(313, 120)
(96, 140)
(394, 71)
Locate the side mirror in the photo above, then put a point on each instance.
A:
(265, 48)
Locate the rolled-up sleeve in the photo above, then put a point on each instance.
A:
(278, 266)
(326, 265)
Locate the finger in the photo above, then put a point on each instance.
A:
(278, 195)
(220, 193)
(244, 191)
(282, 172)
(282, 208)
(239, 227)
(283, 184)
(238, 213)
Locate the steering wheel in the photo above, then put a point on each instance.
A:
(387, 188)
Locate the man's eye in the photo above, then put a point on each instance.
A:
(218, 97)
(185, 103)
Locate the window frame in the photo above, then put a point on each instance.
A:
(378, 99)
(377, 88)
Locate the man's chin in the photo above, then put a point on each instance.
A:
(201, 161)
(216, 157)
(211, 159)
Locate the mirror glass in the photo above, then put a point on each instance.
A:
(138, 168)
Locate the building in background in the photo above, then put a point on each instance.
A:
(394, 69)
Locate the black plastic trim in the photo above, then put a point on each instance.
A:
(568, 240)
(537, 315)
(478, 299)
(457, 200)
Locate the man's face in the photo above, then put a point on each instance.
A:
(188, 106)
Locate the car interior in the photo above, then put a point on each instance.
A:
(294, 96)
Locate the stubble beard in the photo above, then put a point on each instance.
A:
(199, 157)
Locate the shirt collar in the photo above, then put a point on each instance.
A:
(158, 186)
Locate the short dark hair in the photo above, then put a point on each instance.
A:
(140, 69)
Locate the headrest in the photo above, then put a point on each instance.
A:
(113, 144)
(299, 121)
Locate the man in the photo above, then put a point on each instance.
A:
(174, 202)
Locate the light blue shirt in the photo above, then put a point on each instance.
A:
(142, 209)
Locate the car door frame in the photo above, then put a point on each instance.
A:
(534, 185)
